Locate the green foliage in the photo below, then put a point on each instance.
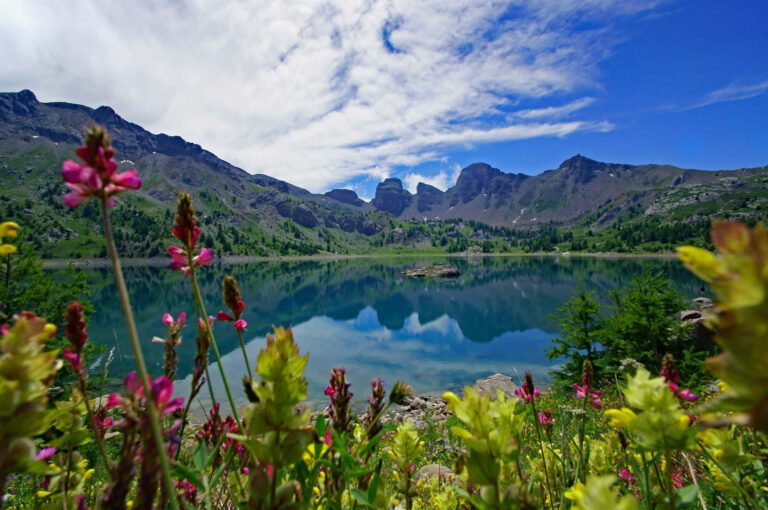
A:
(580, 323)
(644, 325)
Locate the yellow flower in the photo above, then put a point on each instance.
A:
(9, 229)
(7, 249)
(598, 494)
(620, 418)
(42, 494)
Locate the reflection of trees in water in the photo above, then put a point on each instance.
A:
(492, 296)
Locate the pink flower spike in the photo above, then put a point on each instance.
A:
(224, 316)
(168, 319)
(328, 439)
(240, 325)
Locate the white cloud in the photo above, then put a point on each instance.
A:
(307, 90)
(732, 92)
(443, 180)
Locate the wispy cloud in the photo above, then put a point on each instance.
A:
(732, 92)
(319, 92)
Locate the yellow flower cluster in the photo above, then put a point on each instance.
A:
(659, 423)
(8, 229)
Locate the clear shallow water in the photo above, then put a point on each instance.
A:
(364, 315)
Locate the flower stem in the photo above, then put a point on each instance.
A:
(201, 305)
(141, 366)
(541, 446)
(245, 356)
(668, 476)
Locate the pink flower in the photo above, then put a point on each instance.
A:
(97, 176)
(168, 319)
(328, 439)
(522, 392)
(545, 418)
(687, 395)
(114, 400)
(224, 316)
(240, 325)
(584, 392)
(179, 259)
(162, 391)
(73, 359)
(45, 453)
(329, 391)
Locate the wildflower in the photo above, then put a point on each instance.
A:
(375, 407)
(523, 393)
(672, 377)
(592, 395)
(187, 231)
(598, 493)
(338, 391)
(172, 340)
(8, 229)
(97, 176)
(45, 453)
(545, 418)
(659, 422)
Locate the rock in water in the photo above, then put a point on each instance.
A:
(496, 382)
(433, 271)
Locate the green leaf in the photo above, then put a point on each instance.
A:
(182, 471)
(360, 497)
(687, 494)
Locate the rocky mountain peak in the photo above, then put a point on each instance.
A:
(27, 96)
(345, 196)
(391, 197)
(428, 197)
(581, 168)
(473, 180)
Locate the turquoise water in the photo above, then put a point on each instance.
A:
(364, 315)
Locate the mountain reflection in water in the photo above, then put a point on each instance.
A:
(364, 315)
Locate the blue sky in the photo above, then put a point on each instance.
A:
(330, 93)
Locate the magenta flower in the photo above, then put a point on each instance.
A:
(45, 453)
(687, 395)
(240, 325)
(97, 176)
(169, 321)
(584, 392)
(187, 231)
(328, 439)
(523, 393)
(545, 418)
(329, 391)
(73, 359)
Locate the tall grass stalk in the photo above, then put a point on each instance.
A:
(154, 419)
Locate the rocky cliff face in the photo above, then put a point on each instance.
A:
(391, 197)
(345, 196)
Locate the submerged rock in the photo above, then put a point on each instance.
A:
(433, 271)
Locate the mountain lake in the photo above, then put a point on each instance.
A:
(365, 315)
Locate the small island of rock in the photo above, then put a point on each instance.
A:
(433, 271)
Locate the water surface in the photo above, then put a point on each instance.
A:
(364, 315)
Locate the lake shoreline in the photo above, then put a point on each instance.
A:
(247, 259)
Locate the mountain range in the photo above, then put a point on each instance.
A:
(36, 137)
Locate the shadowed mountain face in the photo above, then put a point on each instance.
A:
(36, 137)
